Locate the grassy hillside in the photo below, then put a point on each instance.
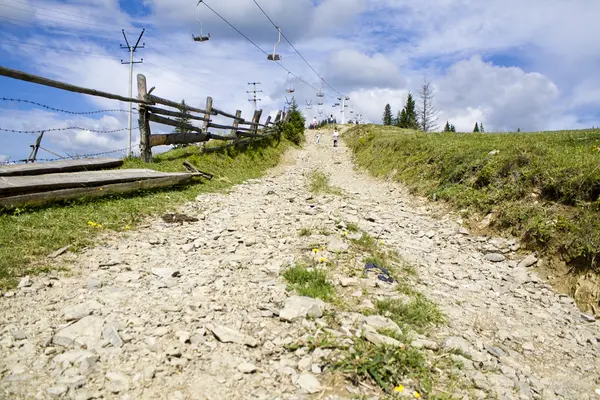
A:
(27, 236)
(543, 187)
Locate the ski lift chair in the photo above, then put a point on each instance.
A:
(275, 56)
(201, 37)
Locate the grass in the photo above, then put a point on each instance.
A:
(419, 313)
(318, 183)
(28, 235)
(303, 232)
(543, 187)
(309, 282)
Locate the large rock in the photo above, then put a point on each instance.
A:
(309, 383)
(378, 322)
(338, 246)
(300, 307)
(85, 332)
(229, 335)
(380, 340)
(495, 257)
(528, 261)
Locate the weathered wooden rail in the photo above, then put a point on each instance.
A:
(148, 111)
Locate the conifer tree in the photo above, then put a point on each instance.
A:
(182, 122)
(481, 129)
(447, 128)
(476, 129)
(452, 128)
(387, 115)
(427, 112)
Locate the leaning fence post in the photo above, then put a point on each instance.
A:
(143, 121)
(236, 123)
(255, 119)
(278, 116)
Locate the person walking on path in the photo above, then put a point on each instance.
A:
(336, 136)
(318, 137)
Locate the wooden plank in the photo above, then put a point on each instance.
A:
(36, 199)
(86, 164)
(177, 138)
(162, 111)
(225, 114)
(172, 122)
(27, 77)
(10, 185)
(160, 100)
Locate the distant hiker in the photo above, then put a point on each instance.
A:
(336, 136)
(318, 137)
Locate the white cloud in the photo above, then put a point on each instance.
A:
(503, 98)
(3, 158)
(352, 69)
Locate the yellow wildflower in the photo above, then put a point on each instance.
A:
(417, 395)
(315, 251)
(322, 260)
(100, 188)
(399, 389)
(127, 227)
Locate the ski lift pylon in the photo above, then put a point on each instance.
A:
(275, 56)
(201, 37)
(290, 89)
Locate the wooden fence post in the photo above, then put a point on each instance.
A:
(278, 116)
(143, 121)
(207, 117)
(256, 119)
(236, 123)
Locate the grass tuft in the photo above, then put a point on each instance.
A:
(309, 282)
(304, 232)
(318, 183)
(419, 313)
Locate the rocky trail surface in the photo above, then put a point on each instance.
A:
(200, 310)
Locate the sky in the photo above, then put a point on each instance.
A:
(508, 64)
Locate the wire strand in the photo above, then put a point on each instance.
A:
(293, 47)
(64, 111)
(69, 128)
(258, 47)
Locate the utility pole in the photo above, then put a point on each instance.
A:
(254, 91)
(343, 108)
(131, 62)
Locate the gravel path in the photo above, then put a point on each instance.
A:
(194, 311)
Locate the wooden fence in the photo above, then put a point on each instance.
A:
(241, 131)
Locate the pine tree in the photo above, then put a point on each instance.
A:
(452, 128)
(387, 115)
(518, 129)
(400, 117)
(293, 129)
(447, 128)
(408, 115)
(476, 127)
(481, 129)
(182, 122)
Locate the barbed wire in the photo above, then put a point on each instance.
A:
(134, 110)
(74, 157)
(69, 128)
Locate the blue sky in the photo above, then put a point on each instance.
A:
(507, 63)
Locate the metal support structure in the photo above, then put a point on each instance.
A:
(343, 107)
(254, 91)
(131, 50)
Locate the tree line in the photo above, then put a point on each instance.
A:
(422, 116)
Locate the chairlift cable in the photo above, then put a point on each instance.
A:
(258, 47)
(293, 47)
